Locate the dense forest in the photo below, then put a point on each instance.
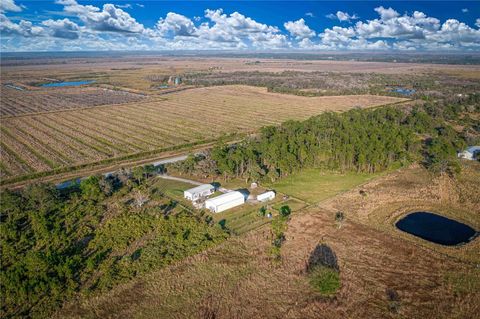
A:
(358, 140)
(56, 243)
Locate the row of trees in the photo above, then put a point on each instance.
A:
(364, 141)
(358, 140)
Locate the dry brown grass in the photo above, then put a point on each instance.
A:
(414, 189)
(238, 280)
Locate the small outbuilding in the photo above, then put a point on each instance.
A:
(266, 196)
(198, 192)
(225, 201)
(470, 153)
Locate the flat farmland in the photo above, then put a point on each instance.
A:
(42, 142)
(17, 102)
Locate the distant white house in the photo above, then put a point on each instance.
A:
(198, 192)
(266, 196)
(225, 201)
(470, 153)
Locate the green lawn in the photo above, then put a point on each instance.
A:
(173, 189)
(324, 280)
(314, 185)
(294, 204)
(242, 218)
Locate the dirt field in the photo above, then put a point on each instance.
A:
(237, 279)
(15, 102)
(46, 141)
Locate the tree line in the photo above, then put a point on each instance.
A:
(358, 140)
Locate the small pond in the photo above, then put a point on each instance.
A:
(436, 228)
(68, 83)
(68, 184)
(403, 91)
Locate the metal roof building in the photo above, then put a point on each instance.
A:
(266, 196)
(198, 192)
(225, 201)
(470, 153)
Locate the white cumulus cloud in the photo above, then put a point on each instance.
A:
(342, 16)
(407, 32)
(109, 18)
(65, 28)
(176, 24)
(9, 5)
(23, 28)
(299, 29)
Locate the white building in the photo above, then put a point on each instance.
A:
(266, 196)
(470, 153)
(225, 201)
(198, 192)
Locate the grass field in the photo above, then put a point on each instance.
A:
(314, 185)
(43, 142)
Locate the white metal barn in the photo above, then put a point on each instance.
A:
(470, 153)
(225, 201)
(266, 196)
(198, 192)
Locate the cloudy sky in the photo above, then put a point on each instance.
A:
(74, 25)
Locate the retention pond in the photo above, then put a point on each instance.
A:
(68, 83)
(436, 228)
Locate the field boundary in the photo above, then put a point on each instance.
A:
(102, 166)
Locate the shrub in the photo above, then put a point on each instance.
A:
(324, 280)
(323, 271)
(339, 216)
(285, 211)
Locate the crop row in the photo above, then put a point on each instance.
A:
(16, 102)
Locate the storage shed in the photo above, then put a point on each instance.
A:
(198, 192)
(470, 153)
(266, 196)
(225, 201)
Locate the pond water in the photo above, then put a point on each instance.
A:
(67, 83)
(436, 228)
(68, 184)
(403, 91)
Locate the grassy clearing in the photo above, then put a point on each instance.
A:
(294, 204)
(324, 280)
(315, 185)
(172, 188)
(242, 219)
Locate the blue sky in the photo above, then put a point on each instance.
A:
(66, 25)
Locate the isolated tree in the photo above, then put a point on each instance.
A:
(285, 211)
